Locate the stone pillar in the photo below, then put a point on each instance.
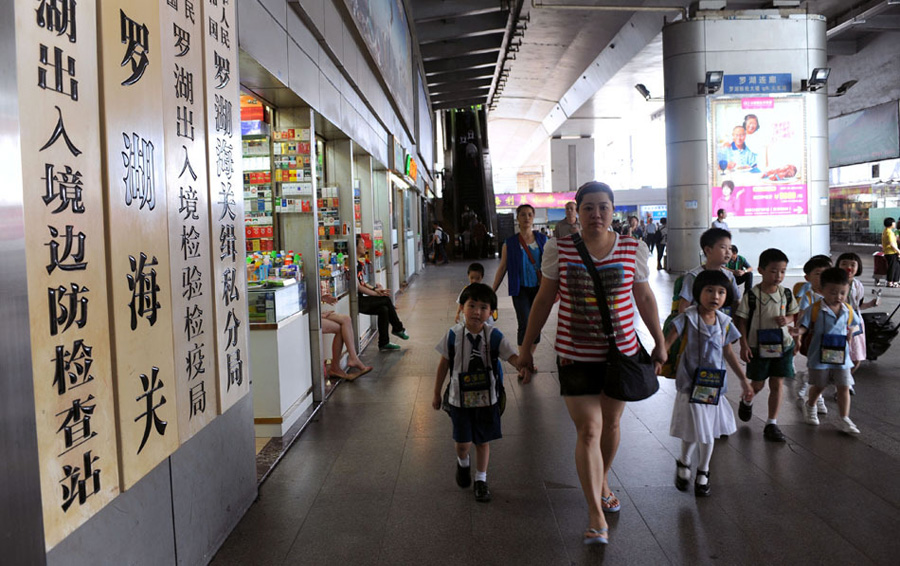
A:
(756, 42)
(571, 163)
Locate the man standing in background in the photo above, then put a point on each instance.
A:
(569, 224)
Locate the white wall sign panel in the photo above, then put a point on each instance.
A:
(132, 66)
(59, 96)
(186, 177)
(227, 245)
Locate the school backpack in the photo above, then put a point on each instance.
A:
(671, 366)
(445, 239)
(495, 338)
(813, 314)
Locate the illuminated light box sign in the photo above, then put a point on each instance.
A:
(757, 160)
(656, 211)
(537, 200)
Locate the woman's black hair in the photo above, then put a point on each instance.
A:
(481, 293)
(591, 188)
(851, 257)
(747, 117)
(888, 221)
(712, 278)
(523, 205)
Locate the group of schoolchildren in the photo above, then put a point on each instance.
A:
(772, 324)
(819, 319)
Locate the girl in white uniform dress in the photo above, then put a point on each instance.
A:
(701, 413)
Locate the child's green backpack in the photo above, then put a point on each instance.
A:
(671, 366)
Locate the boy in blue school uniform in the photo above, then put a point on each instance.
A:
(830, 321)
(471, 353)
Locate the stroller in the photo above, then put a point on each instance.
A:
(879, 332)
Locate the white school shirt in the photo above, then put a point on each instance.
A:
(705, 344)
(463, 351)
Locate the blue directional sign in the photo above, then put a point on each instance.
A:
(756, 84)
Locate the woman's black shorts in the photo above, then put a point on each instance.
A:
(580, 378)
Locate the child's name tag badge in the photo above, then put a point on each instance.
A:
(770, 342)
(475, 389)
(834, 349)
(708, 384)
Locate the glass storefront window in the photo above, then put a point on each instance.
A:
(858, 211)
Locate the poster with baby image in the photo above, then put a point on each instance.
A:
(757, 159)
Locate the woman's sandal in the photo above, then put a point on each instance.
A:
(701, 490)
(610, 503)
(596, 536)
(362, 372)
(681, 484)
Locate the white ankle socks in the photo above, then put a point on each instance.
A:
(463, 463)
(480, 476)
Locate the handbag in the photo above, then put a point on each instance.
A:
(628, 378)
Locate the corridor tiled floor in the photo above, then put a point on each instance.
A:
(371, 480)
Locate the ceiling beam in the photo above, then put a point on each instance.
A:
(460, 95)
(456, 28)
(458, 104)
(425, 10)
(456, 47)
(461, 86)
(460, 63)
(458, 76)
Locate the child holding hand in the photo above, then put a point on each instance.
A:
(701, 413)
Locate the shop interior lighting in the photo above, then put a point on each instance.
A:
(842, 90)
(712, 84)
(645, 92)
(817, 80)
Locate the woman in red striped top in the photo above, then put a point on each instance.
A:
(580, 343)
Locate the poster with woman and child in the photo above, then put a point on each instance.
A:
(757, 159)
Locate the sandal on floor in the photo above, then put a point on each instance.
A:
(334, 374)
(596, 536)
(362, 372)
(610, 503)
(681, 484)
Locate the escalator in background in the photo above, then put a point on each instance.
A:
(469, 190)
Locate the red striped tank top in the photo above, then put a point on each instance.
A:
(579, 335)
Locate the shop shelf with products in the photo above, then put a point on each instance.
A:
(257, 180)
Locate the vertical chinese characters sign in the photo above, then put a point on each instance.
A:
(56, 44)
(220, 66)
(132, 69)
(189, 251)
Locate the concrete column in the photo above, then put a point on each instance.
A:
(571, 163)
(752, 42)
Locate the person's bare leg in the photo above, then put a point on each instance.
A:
(483, 455)
(586, 413)
(609, 440)
(774, 396)
(329, 326)
(350, 342)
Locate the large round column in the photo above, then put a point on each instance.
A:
(744, 43)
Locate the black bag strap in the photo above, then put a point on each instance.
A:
(598, 289)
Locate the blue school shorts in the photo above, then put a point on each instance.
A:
(478, 424)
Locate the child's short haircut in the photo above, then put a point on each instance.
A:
(712, 236)
(815, 262)
(734, 249)
(481, 293)
(771, 255)
(834, 276)
(476, 267)
(712, 278)
(850, 256)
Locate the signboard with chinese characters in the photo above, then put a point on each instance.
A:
(537, 200)
(757, 159)
(56, 44)
(189, 252)
(132, 68)
(756, 83)
(227, 245)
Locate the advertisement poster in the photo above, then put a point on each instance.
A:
(757, 160)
